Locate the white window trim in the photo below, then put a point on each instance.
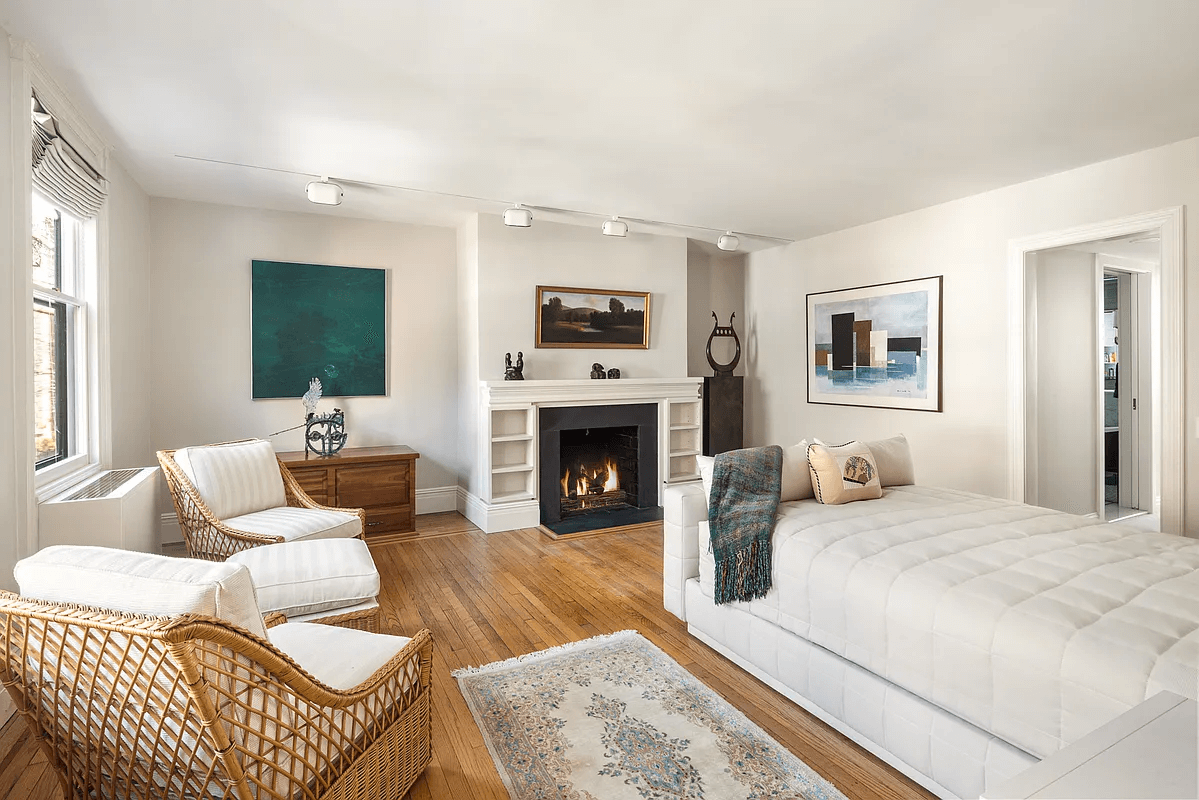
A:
(27, 75)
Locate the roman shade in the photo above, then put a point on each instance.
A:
(59, 171)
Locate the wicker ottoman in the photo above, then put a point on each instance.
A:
(331, 581)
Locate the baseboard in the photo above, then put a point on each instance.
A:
(498, 517)
(435, 500)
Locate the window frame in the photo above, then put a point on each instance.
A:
(78, 283)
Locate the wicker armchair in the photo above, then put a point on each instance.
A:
(206, 535)
(127, 706)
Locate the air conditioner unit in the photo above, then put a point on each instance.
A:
(114, 509)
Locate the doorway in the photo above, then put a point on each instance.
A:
(1059, 447)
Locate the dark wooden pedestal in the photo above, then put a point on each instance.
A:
(724, 413)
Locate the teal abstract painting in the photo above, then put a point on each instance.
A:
(313, 321)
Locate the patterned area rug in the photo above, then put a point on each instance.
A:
(614, 717)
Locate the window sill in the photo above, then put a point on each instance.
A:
(56, 479)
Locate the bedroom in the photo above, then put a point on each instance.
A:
(923, 201)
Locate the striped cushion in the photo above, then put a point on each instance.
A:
(141, 583)
(338, 657)
(234, 479)
(307, 577)
(295, 524)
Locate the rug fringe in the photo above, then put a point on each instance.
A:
(496, 666)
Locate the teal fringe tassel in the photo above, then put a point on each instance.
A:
(743, 574)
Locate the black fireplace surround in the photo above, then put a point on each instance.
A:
(553, 421)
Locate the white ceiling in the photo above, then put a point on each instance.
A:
(787, 118)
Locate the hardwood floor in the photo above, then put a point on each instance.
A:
(490, 597)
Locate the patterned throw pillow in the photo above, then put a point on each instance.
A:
(843, 473)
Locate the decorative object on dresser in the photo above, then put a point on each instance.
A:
(380, 480)
(597, 372)
(326, 434)
(877, 345)
(516, 373)
(309, 319)
(592, 318)
(724, 396)
(237, 495)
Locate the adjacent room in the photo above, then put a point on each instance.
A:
(669, 399)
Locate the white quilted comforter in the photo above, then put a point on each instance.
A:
(1035, 625)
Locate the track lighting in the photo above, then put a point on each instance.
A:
(728, 241)
(324, 192)
(518, 217)
(615, 227)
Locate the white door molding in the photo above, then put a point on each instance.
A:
(1167, 365)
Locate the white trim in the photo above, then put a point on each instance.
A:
(1168, 365)
(78, 130)
(588, 392)
(498, 517)
(436, 500)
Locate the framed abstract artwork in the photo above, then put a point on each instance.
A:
(314, 321)
(877, 345)
(592, 318)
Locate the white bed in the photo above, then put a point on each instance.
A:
(960, 636)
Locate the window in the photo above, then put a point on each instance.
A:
(60, 357)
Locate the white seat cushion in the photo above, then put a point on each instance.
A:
(141, 583)
(338, 657)
(309, 576)
(295, 524)
(234, 479)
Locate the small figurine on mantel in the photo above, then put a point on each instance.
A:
(614, 373)
(597, 372)
(516, 373)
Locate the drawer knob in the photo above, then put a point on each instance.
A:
(369, 524)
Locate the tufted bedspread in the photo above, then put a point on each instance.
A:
(1035, 625)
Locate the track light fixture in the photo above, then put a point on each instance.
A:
(728, 241)
(615, 227)
(324, 193)
(518, 217)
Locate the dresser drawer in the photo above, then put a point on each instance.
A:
(374, 485)
(314, 482)
(388, 520)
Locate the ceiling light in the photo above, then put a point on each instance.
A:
(615, 227)
(518, 217)
(324, 192)
(728, 241)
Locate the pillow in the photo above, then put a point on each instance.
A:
(705, 474)
(236, 478)
(141, 583)
(894, 460)
(843, 473)
(797, 482)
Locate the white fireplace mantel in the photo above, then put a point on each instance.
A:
(508, 437)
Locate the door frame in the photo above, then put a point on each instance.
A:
(1167, 362)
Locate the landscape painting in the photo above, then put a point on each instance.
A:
(877, 346)
(592, 318)
(313, 321)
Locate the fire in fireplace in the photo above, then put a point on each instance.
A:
(599, 469)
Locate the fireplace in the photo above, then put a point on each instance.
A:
(597, 465)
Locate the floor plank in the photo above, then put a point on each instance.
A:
(490, 597)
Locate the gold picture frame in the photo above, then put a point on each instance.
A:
(599, 319)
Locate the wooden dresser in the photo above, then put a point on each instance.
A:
(381, 480)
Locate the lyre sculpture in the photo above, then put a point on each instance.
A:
(326, 434)
(723, 332)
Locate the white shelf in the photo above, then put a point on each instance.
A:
(513, 437)
(508, 468)
(511, 497)
(693, 426)
(679, 477)
(681, 453)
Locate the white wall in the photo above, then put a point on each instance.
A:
(715, 282)
(1067, 372)
(514, 261)
(200, 258)
(966, 241)
(14, 425)
(129, 320)
(468, 353)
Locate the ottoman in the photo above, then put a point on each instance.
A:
(331, 581)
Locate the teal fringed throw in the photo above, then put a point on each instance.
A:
(745, 497)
